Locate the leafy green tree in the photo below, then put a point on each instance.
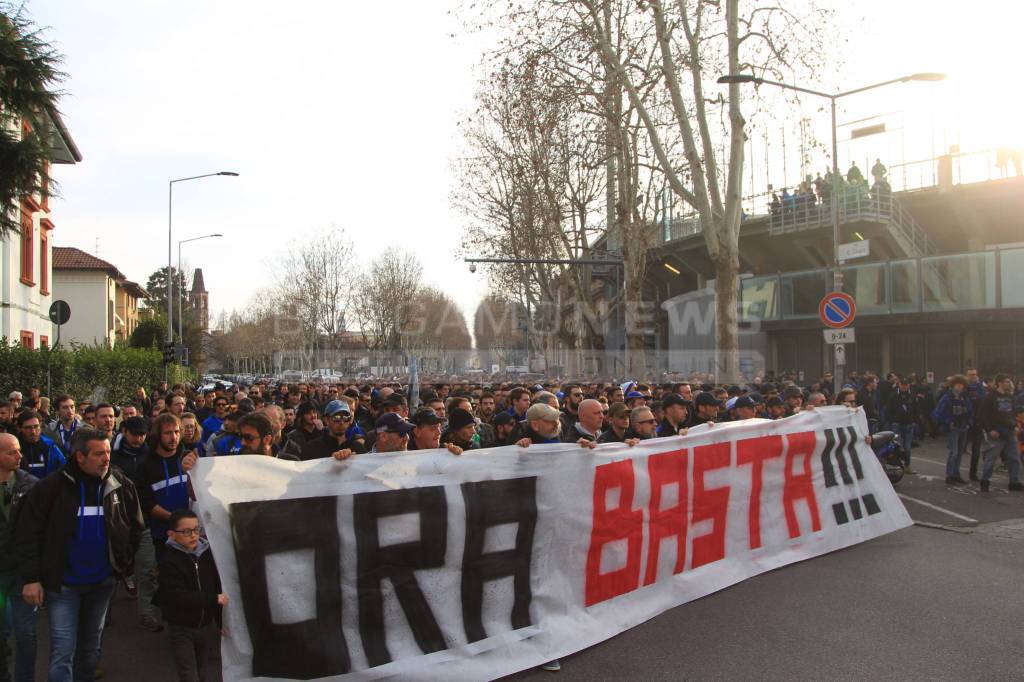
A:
(156, 285)
(149, 334)
(29, 76)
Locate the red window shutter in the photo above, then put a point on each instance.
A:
(28, 238)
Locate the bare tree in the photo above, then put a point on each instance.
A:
(497, 328)
(697, 41)
(436, 330)
(553, 133)
(382, 296)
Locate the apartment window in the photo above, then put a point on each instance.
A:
(44, 341)
(28, 238)
(27, 339)
(44, 259)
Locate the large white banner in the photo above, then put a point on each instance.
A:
(436, 567)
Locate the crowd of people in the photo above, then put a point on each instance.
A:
(97, 496)
(817, 193)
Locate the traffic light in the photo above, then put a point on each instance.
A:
(168, 353)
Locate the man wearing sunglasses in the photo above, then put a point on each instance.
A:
(338, 422)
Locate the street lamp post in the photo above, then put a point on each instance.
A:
(832, 97)
(170, 243)
(181, 293)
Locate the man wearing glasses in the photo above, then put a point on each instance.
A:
(571, 410)
(642, 423)
(40, 456)
(338, 417)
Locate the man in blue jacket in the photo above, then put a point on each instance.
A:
(40, 456)
(954, 414)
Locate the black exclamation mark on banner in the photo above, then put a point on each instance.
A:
(841, 445)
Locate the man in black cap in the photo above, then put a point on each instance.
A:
(745, 407)
(503, 423)
(676, 410)
(707, 407)
(775, 408)
(338, 416)
(794, 398)
(426, 432)
(461, 429)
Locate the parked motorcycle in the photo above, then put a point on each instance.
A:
(889, 450)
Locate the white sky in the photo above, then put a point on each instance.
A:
(344, 113)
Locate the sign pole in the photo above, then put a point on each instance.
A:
(837, 311)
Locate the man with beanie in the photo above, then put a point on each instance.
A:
(461, 430)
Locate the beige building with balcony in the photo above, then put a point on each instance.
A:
(104, 303)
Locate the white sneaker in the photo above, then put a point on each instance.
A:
(552, 666)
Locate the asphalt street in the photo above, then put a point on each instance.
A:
(940, 600)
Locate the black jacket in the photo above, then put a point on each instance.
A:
(610, 436)
(523, 430)
(902, 408)
(129, 460)
(996, 413)
(189, 586)
(299, 439)
(22, 484)
(571, 434)
(47, 517)
(326, 445)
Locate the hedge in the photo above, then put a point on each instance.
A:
(87, 373)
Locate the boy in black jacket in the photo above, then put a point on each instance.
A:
(190, 593)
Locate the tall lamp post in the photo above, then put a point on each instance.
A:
(837, 282)
(170, 243)
(181, 293)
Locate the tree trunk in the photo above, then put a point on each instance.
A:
(727, 269)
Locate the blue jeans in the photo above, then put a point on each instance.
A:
(23, 622)
(956, 441)
(906, 434)
(76, 615)
(992, 447)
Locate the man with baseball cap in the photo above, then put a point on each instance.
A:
(676, 410)
(337, 434)
(392, 436)
(707, 407)
(745, 407)
(426, 432)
